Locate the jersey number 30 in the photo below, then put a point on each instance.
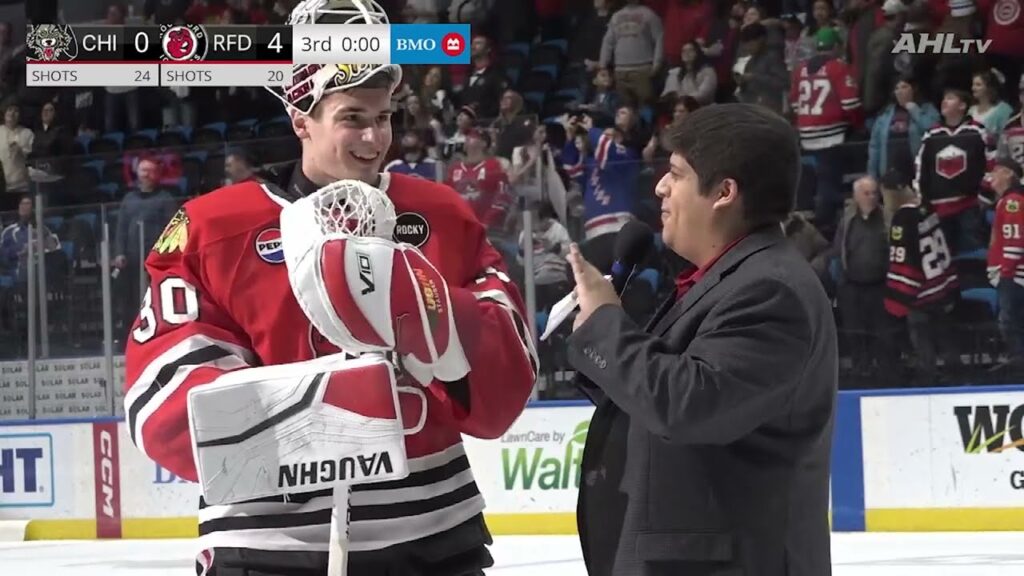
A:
(178, 304)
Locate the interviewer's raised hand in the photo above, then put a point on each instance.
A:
(592, 289)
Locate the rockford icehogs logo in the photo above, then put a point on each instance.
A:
(183, 43)
(51, 43)
(950, 162)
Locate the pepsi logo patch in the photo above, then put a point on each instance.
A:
(269, 246)
(411, 228)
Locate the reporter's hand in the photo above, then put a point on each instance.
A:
(592, 290)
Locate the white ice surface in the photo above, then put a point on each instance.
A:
(861, 554)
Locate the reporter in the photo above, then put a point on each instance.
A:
(708, 453)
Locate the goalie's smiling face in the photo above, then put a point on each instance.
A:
(346, 136)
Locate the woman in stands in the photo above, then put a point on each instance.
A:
(897, 131)
(989, 108)
(695, 78)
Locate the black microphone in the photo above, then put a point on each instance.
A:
(632, 245)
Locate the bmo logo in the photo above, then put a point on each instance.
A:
(416, 44)
(453, 44)
(26, 471)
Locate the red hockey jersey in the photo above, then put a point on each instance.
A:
(1004, 26)
(1006, 252)
(220, 300)
(485, 186)
(1011, 141)
(826, 99)
(921, 273)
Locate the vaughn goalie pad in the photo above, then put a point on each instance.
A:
(299, 427)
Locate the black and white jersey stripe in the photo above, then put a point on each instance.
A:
(439, 493)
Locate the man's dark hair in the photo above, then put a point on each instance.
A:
(963, 95)
(749, 144)
(751, 32)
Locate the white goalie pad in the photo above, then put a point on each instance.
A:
(300, 427)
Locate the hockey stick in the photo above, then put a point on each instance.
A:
(337, 558)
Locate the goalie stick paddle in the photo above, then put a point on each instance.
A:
(337, 558)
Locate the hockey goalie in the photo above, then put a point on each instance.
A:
(338, 326)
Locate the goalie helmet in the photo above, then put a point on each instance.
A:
(310, 82)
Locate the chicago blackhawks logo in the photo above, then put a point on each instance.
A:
(51, 43)
(175, 235)
(183, 43)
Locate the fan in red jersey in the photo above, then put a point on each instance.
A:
(220, 304)
(1006, 257)
(482, 180)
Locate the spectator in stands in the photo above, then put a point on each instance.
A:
(879, 70)
(52, 141)
(605, 100)
(512, 127)
(684, 21)
(720, 44)
(610, 174)
(533, 175)
(434, 94)
(794, 42)
(12, 63)
(861, 17)
(455, 144)
(898, 129)
(920, 290)
(862, 249)
(1006, 258)
(760, 76)
(482, 179)
(826, 101)
(418, 117)
(989, 109)
(694, 77)
(823, 15)
(551, 273)
(809, 242)
(239, 166)
(15, 145)
(590, 31)
(951, 165)
(413, 159)
(15, 238)
(1011, 143)
(144, 213)
(1004, 26)
(482, 89)
(633, 47)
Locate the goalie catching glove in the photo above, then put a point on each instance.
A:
(365, 293)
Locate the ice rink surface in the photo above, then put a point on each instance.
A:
(858, 554)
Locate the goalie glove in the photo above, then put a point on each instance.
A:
(372, 295)
(299, 427)
(364, 293)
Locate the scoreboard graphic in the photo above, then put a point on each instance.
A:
(219, 56)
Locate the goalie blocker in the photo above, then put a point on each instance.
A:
(202, 319)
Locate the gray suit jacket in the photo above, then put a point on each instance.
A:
(708, 453)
